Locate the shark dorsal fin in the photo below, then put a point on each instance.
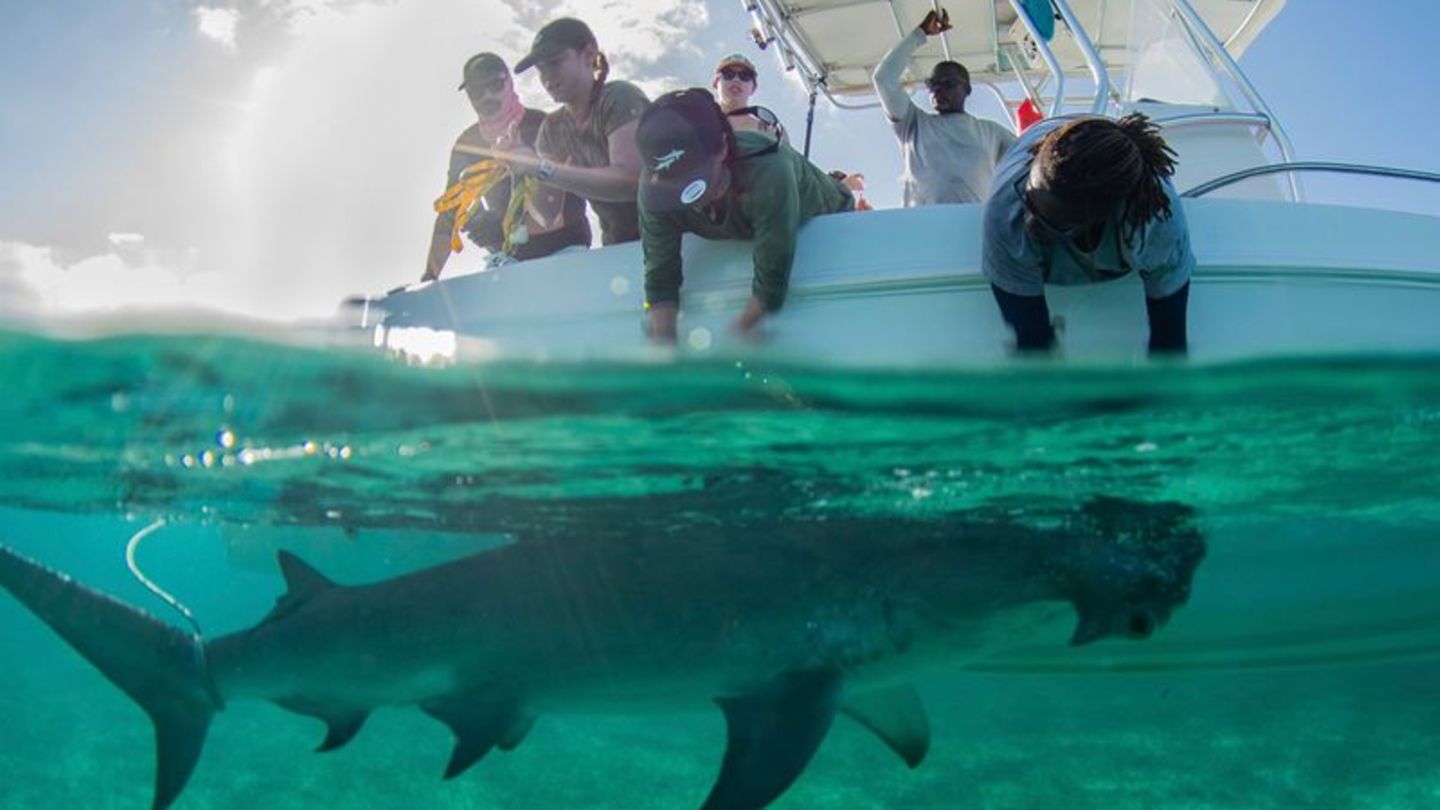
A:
(302, 582)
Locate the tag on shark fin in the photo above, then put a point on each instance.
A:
(478, 725)
(772, 735)
(343, 723)
(897, 717)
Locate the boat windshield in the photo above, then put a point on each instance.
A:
(1166, 64)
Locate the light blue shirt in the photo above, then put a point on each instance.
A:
(1019, 264)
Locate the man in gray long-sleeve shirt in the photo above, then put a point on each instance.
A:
(950, 155)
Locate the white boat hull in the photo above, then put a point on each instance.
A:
(902, 288)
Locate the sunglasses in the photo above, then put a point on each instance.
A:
(495, 85)
(762, 114)
(944, 84)
(731, 74)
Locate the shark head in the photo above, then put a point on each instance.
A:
(1133, 568)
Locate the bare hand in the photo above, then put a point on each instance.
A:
(522, 160)
(936, 22)
(662, 323)
(750, 318)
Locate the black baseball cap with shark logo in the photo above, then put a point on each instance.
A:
(679, 138)
(566, 33)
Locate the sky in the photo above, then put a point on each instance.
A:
(269, 157)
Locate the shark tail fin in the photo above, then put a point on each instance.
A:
(158, 666)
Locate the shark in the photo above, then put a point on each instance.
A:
(782, 630)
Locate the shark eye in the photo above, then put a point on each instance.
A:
(1141, 625)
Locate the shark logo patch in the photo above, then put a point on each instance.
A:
(668, 159)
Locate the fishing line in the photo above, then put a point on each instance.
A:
(156, 589)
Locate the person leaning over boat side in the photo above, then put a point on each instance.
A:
(1085, 200)
(587, 147)
(950, 155)
(736, 80)
(703, 177)
(557, 219)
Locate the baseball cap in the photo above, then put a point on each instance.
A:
(736, 58)
(679, 137)
(482, 66)
(556, 36)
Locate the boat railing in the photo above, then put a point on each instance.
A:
(1293, 168)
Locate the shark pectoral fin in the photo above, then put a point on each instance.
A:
(772, 736)
(517, 733)
(343, 722)
(897, 717)
(478, 725)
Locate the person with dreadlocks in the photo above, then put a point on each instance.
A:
(701, 176)
(950, 155)
(556, 219)
(587, 147)
(1085, 200)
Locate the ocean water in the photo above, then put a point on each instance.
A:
(1301, 673)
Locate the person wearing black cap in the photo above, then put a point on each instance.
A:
(556, 221)
(701, 176)
(586, 147)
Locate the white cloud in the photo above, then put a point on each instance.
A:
(36, 282)
(323, 186)
(218, 24)
(633, 33)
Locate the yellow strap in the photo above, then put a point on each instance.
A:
(522, 193)
(476, 180)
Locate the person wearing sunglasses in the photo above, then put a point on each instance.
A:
(555, 221)
(587, 147)
(701, 176)
(1083, 200)
(950, 155)
(736, 80)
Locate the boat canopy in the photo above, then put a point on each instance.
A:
(834, 45)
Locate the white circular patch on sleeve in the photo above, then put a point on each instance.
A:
(693, 192)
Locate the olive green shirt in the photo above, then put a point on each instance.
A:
(576, 143)
(773, 191)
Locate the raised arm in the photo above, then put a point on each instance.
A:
(889, 74)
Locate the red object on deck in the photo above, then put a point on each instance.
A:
(1027, 113)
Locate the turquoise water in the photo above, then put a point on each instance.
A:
(1301, 673)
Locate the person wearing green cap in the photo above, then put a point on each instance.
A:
(556, 219)
(587, 147)
(701, 176)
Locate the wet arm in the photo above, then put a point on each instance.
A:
(660, 242)
(777, 224)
